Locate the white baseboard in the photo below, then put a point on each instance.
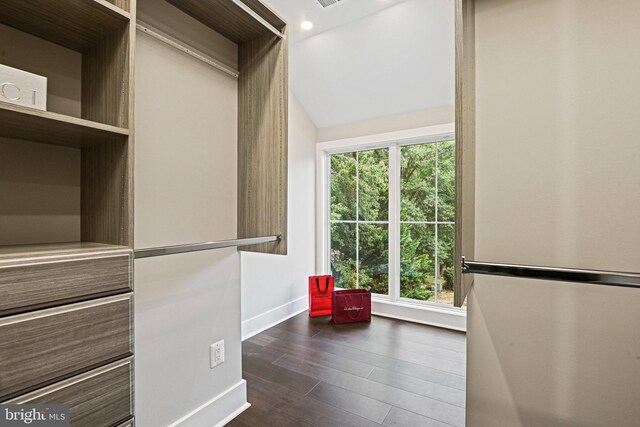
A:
(216, 412)
(434, 316)
(233, 415)
(266, 320)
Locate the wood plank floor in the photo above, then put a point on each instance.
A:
(309, 372)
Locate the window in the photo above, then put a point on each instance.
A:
(359, 220)
(427, 228)
(390, 225)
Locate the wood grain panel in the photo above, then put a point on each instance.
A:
(46, 346)
(56, 129)
(127, 238)
(228, 19)
(27, 254)
(465, 144)
(50, 282)
(263, 142)
(266, 13)
(98, 398)
(76, 24)
(105, 80)
(105, 194)
(41, 348)
(122, 4)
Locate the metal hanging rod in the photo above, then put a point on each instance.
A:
(594, 277)
(165, 38)
(258, 18)
(205, 246)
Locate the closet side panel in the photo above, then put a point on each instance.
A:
(263, 142)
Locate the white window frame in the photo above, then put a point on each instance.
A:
(391, 305)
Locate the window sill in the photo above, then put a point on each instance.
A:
(441, 317)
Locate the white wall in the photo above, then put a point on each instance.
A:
(274, 287)
(381, 125)
(185, 187)
(398, 60)
(558, 173)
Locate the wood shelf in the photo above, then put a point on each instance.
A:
(76, 24)
(120, 7)
(228, 19)
(22, 252)
(52, 128)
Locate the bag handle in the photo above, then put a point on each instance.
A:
(326, 288)
(357, 314)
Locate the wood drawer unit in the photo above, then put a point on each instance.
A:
(45, 346)
(98, 398)
(52, 281)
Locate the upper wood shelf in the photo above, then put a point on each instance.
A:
(51, 128)
(229, 19)
(22, 252)
(75, 24)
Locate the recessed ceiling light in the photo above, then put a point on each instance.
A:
(306, 25)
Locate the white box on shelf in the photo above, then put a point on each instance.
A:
(23, 88)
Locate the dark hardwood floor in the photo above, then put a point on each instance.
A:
(309, 372)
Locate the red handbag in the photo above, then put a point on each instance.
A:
(350, 306)
(320, 289)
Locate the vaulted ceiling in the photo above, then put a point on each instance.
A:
(366, 59)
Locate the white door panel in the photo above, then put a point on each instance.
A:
(557, 184)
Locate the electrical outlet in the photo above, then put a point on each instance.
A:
(216, 353)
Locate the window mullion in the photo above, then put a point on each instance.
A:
(357, 219)
(436, 279)
(327, 215)
(394, 222)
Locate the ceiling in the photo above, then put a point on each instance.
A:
(297, 11)
(366, 59)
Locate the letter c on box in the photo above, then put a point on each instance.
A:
(3, 90)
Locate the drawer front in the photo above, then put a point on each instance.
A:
(48, 345)
(28, 286)
(99, 398)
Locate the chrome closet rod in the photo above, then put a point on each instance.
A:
(194, 53)
(594, 277)
(204, 246)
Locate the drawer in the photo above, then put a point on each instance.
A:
(45, 346)
(28, 286)
(98, 398)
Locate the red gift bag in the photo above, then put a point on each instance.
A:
(320, 289)
(352, 305)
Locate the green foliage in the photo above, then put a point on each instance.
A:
(363, 178)
(374, 257)
(447, 181)
(343, 187)
(418, 183)
(373, 185)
